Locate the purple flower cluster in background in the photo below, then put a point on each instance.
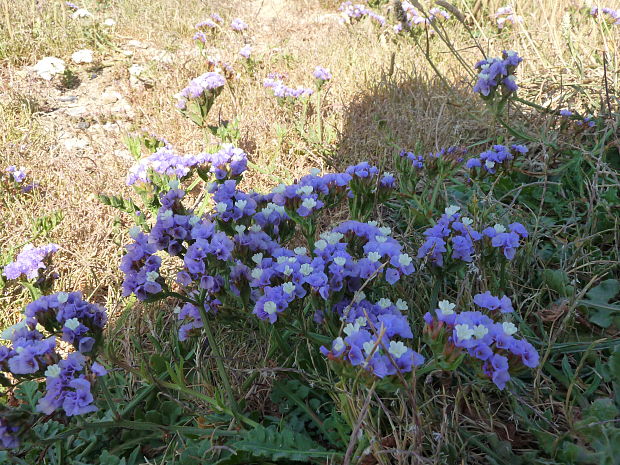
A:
(32, 355)
(322, 74)
(238, 25)
(246, 51)
(422, 161)
(496, 72)
(498, 156)
(165, 161)
(414, 18)
(281, 90)
(373, 337)
(506, 15)
(455, 232)
(8, 435)
(482, 338)
(610, 15)
(585, 122)
(29, 261)
(204, 86)
(356, 11)
(18, 175)
(228, 161)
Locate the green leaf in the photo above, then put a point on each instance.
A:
(281, 445)
(119, 203)
(558, 281)
(601, 312)
(28, 393)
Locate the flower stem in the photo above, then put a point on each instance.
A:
(218, 359)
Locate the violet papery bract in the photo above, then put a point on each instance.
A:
(33, 355)
(68, 389)
(454, 233)
(246, 51)
(355, 11)
(506, 15)
(483, 339)
(29, 261)
(18, 175)
(165, 161)
(238, 25)
(335, 266)
(414, 18)
(372, 338)
(322, 74)
(497, 73)
(195, 100)
(8, 434)
(281, 90)
(610, 15)
(497, 157)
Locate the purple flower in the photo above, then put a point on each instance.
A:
(8, 435)
(80, 400)
(322, 74)
(205, 86)
(283, 91)
(246, 51)
(18, 174)
(29, 261)
(495, 72)
(238, 25)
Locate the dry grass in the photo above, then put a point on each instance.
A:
(384, 95)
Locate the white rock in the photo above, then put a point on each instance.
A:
(136, 70)
(136, 43)
(109, 22)
(75, 143)
(48, 67)
(82, 56)
(76, 111)
(110, 96)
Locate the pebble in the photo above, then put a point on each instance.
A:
(83, 125)
(68, 98)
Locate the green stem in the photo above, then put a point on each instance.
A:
(218, 359)
(320, 116)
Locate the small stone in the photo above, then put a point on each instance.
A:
(83, 125)
(110, 96)
(75, 143)
(76, 112)
(68, 98)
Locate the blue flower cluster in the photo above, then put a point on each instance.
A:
(141, 266)
(30, 261)
(342, 259)
(455, 232)
(281, 90)
(481, 337)
(18, 175)
(32, 355)
(204, 87)
(374, 335)
(498, 156)
(414, 18)
(8, 435)
(421, 161)
(610, 15)
(356, 11)
(229, 161)
(238, 25)
(496, 72)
